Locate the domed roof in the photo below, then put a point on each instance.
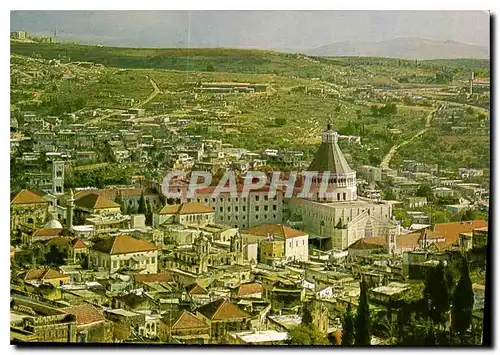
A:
(53, 224)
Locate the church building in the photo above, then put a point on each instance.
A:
(340, 218)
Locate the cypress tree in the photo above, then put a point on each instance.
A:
(348, 328)
(363, 322)
(463, 302)
(437, 293)
(142, 204)
(307, 318)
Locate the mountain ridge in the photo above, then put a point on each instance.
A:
(404, 48)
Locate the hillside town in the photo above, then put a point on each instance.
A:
(115, 239)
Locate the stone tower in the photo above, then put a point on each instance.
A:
(69, 209)
(340, 185)
(236, 247)
(58, 178)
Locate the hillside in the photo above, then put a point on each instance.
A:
(195, 59)
(408, 48)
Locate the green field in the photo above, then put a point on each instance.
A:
(302, 93)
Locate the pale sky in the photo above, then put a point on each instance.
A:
(295, 30)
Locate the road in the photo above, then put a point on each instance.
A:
(387, 159)
(156, 91)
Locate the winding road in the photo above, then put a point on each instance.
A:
(387, 159)
(156, 91)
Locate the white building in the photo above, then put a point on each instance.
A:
(126, 252)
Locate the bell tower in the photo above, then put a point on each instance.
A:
(57, 178)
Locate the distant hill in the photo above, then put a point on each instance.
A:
(407, 48)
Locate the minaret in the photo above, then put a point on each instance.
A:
(70, 205)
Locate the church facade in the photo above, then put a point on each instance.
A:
(340, 218)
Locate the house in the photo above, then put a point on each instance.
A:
(93, 203)
(248, 290)
(296, 241)
(185, 328)
(28, 209)
(91, 325)
(45, 275)
(124, 251)
(36, 321)
(197, 295)
(261, 337)
(188, 213)
(222, 317)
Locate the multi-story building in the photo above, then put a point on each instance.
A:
(243, 212)
(124, 251)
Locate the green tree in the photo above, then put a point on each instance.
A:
(348, 327)
(307, 318)
(363, 321)
(143, 208)
(307, 335)
(425, 190)
(463, 301)
(55, 256)
(437, 293)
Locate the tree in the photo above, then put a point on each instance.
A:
(142, 204)
(307, 335)
(463, 301)
(307, 318)
(437, 293)
(55, 256)
(363, 322)
(348, 327)
(210, 68)
(425, 190)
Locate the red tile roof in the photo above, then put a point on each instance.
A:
(160, 277)
(195, 289)
(123, 244)
(222, 309)
(277, 230)
(95, 201)
(78, 244)
(452, 230)
(47, 232)
(186, 320)
(25, 197)
(42, 274)
(85, 314)
(248, 289)
(186, 208)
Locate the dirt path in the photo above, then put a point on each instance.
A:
(387, 159)
(156, 91)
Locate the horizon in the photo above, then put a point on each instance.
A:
(265, 30)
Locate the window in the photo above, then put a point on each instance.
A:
(213, 200)
(265, 216)
(257, 198)
(229, 209)
(244, 208)
(221, 209)
(296, 243)
(274, 208)
(266, 208)
(244, 217)
(303, 242)
(344, 196)
(115, 264)
(198, 200)
(257, 208)
(221, 199)
(338, 196)
(229, 199)
(206, 200)
(236, 217)
(236, 208)
(265, 198)
(256, 216)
